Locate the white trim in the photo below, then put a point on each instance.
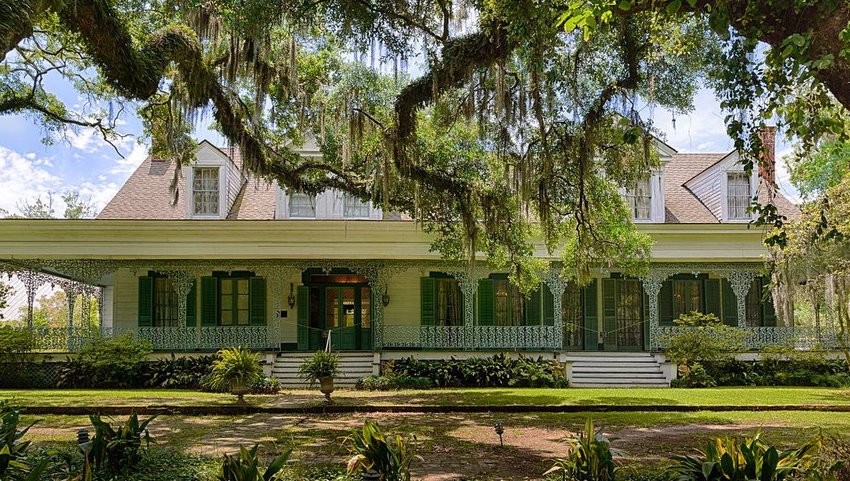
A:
(732, 164)
(207, 155)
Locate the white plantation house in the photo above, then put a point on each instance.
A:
(236, 261)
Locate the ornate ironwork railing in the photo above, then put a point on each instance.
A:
(470, 337)
(791, 337)
(61, 339)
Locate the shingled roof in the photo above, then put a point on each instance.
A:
(147, 193)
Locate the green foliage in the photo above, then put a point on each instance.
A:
(392, 382)
(695, 377)
(731, 459)
(107, 362)
(701, 337)
(118, 449)
(780, 371)
(245, 466)
(496, 371)
(814, 171)
(15, 344)
(320, 365)
(374, 451)
(6, 291)
(590, 457)
(178, 372)
(235, 368)
(13, 449)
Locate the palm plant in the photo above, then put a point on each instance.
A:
(235, 369)
(590, 457)
(321, 367)
(246, 466)
(728, 459)
(389, 457)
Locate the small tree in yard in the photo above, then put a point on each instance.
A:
(704, 338)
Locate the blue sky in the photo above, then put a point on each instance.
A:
(82, 161)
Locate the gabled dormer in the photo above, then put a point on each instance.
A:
(725, 189)
(645, 197)
(212, 183)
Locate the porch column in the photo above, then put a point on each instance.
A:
(557, 285)
(652, 287)
(740, 281)
(29, 280)
(85, 307)
(72, 289)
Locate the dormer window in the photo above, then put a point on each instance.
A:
(640, 199)
(205, 191)
(738, 195)
(302, 206)
(354, 208)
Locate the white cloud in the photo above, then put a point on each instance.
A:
(23, 179)
(124, 167)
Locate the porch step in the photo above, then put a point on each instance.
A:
(615, 369)
(352, 367)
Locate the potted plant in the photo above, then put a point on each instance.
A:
(321, 368)
(236, 369)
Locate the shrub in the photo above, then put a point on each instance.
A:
(246, 466)
(107, 362)
(590, 457)
(774, 371)
(177, 372)
(386, 383)
(703, 339)
(15, 344)
(387, 455)
(236, 369)
(695, 377)
(266, 385)
(750, 458)
(495, 371)
(321, 365)
(118, 449)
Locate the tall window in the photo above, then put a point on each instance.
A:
(164, 302)
(753, 303)
(234, 301)
(687, 297)
(302, 205)
(510, 304)
(449, 306)
(572, 315)
(640, 199)
(629, 312)
(205, 190)
(353, 207)
(739, 195)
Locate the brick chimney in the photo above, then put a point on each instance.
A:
(767, 158)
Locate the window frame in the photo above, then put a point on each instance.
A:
(216, 192)
(633, 197)
(234, 301)
(174, 303)
(731, 209)
(311, 199)
(347, 198)
(442, 283)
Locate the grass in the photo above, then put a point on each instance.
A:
(740, 396)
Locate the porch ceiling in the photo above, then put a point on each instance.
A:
(313, 239)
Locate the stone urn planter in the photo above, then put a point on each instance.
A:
(326, 386)
(239, 388)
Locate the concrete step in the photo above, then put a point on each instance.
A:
(618, 375)
(622, 369)
(662, 385)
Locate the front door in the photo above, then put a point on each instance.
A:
(622, 301)
(341, 307)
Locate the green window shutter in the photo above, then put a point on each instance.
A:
(609, 311)
(209, 301)
(712, 297)
(192, 305)
(257, 301)
(548, 306)
(730, 304)
(486, 302)
(145, 301)
(591, 316)
(768, 310)
(427, 296)
(665, 304)
(303, 318)
(533, 309)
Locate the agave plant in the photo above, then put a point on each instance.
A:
(732, 459)
(590, 457)
(246, 466)
(236, 369)
(387, 457)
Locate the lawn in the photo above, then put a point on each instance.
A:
(754, 396)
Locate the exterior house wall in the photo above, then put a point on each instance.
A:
(126, 299)
(706, 187)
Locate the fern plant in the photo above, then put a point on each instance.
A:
(320, 365)
(389, 456)
(730, 459)
(245, 466)
(235, 369)
(590, 457)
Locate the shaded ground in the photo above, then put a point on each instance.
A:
(465, 446)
